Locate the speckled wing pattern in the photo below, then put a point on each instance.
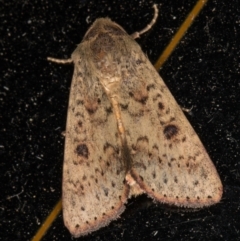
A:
(93, 172)
(125, 131)
(169, 161)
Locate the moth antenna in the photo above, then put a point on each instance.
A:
(60, 61)
(149, 26)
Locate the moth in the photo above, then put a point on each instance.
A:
(126, 135)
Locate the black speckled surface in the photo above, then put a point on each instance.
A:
(203, 72)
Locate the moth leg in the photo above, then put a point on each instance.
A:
(149, 26)
(60, 61)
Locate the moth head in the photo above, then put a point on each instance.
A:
(104, 25)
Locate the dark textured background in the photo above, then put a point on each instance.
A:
(203, 73)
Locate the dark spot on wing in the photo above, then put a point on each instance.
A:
(80, 124)
(151, 86)
(82, 150)
(124, 107)
(154, 174)
(160, 106)
(195, 183)
(79, 74)
(79, 102)
(105, 191)
(109, 110)
(140, 96)
(97, 197)
(92, 105)
(139, 61)
(170, 131)
(175, 179)
(165, 180)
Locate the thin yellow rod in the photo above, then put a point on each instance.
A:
(180, 33)
(48, 222)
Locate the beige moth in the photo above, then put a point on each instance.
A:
(126, 135)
